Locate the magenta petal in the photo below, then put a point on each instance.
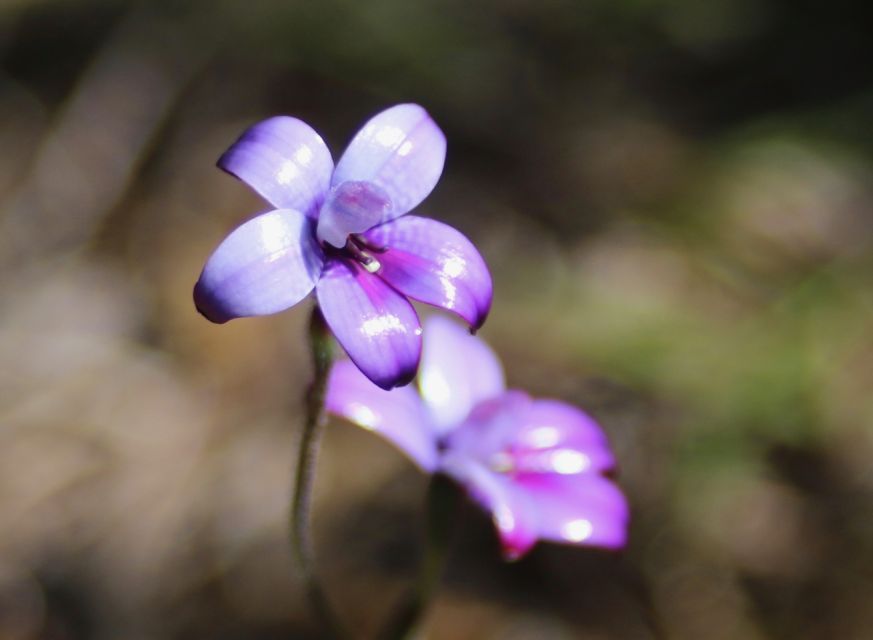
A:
(264, 266)
(376, 326)
(510, 508)
(557, 437)
(396, 415)
(585, 509)
(400, 150)
(285, 161)
(431, 262)
(457, 372)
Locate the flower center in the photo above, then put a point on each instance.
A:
(358, 249)
(501, 462)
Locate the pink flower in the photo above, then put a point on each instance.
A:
(536, 465)
(339, 231)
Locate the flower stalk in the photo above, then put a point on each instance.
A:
(321, 349)
(442, 503)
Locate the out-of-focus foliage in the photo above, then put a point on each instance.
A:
(676, 200)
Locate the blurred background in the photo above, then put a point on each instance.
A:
(676, 201)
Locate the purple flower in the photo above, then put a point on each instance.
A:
(536, 465)
(338, 230)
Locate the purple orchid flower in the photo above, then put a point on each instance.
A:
(338, 230)
(536, 465)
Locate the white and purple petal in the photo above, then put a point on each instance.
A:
(264, 266)
(458, 371)
(434, 263)
(397, 415)
(285, 161)
(377, 327)
(401, 150)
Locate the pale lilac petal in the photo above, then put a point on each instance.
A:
(518, 434)
(585, 509)
(458, 371)
(401, 150)
(433, 263)
(489, 433)
(510, 509)
(264, 266)
(376, 326)
(351, 207)
(285, 161)
(396, 415)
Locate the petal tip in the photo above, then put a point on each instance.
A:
(480, 318)
(483, 302)
(406, 377)
(512, 555)
(476, 319)
(399, 379)
(512, 550)
(207, 306)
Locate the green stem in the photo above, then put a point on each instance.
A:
(322, 356)
(442, 500)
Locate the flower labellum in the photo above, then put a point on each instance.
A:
(342, 232)
(537, 466)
